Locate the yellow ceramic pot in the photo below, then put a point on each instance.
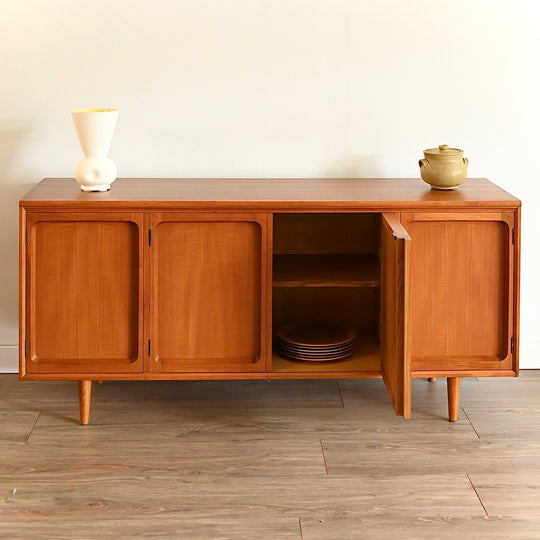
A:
(443, 167)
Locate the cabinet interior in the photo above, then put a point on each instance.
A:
(326, 269)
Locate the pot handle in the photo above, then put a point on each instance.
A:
(466, 161)
(423, 162)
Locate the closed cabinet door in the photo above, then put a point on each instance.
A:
(463, 292)
(207, 305)
(84, 293)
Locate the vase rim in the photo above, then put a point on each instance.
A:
(93, 110)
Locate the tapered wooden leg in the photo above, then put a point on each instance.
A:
(85, 396)
(452, 384)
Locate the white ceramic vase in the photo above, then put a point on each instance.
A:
(95, 129)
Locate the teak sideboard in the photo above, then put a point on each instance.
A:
(191, 278)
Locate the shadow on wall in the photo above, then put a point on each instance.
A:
(12, 142)
(353, 166)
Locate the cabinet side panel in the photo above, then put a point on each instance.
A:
(22, 292)
(84, 289)
(459, 279)
(208, 294)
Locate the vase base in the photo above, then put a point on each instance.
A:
(102, 187)
(96, 173)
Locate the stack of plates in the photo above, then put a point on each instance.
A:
(315, 343)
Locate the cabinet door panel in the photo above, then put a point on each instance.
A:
(395, 336)
(207, 292)
(461, 283)
(85, 293)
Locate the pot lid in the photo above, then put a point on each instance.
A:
(443, 150)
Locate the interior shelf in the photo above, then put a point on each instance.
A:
(326, 270)
(365, 360)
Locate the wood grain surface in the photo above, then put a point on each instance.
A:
(462, 278)
(395, 302)
(326, 270)
(207, 293)
(384, 194)
(84, 293)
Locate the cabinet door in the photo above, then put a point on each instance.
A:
(395, 335)
(83, 293)
(207, 300)
(462, 291)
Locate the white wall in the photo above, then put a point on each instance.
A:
(270, 88)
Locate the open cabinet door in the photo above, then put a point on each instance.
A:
(395, 306)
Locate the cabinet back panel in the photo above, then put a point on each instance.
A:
(84, 295)
(207, 294)
(459, 279)
(357, 308)
(326, 233)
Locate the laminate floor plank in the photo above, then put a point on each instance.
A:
(429, 399)
(156, 448)
(16, 426)
(192, 527)
(217, 419)
(58, 401)
(246, 393)
(174, 495)
(387, 457)
(308, 392)
(12, 390)
(410, 528)
(496, 423)
(514, 493)
(505, 392)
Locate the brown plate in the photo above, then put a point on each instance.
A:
(316, 352)
(305, 348)
(324, 358)
(315, 335)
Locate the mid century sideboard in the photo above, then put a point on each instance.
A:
(191, 278)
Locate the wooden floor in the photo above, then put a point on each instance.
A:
(270, 460)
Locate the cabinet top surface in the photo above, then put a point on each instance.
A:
(269, 194)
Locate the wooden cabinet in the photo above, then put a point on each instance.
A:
(191, 279)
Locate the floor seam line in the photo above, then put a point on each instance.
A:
(33, 427)
(477, 495)
(324, 457)
(340, 394)
(467, 416)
